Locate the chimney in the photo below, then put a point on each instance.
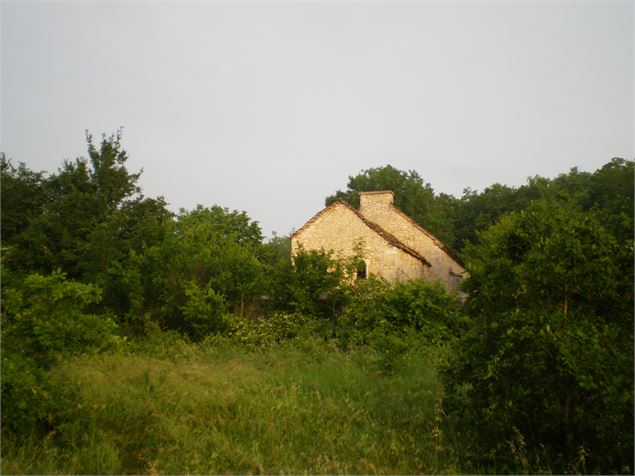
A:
(375, 201)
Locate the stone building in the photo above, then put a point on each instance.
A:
(394, 247)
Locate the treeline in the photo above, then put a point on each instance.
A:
(458, 221)
(539, 376)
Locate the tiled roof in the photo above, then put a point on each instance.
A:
(391, 239)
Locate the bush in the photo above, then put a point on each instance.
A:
(376, 309)
(45, 320)
(268, 332)
(318, 283)
(543, 380)
(204, 310)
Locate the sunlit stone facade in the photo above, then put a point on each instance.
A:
(394, 247)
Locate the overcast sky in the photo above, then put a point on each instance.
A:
(269, 107)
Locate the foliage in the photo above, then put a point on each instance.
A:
(478, 211)
(77, 200)
(549, 356)
(22, 196)
(197, 268)
(44, 321)
(204, 310)
(375, 308)
(212, 249)
(457, 222)
(319, 283)
(275, 256)
(269, 332)
(115, 247)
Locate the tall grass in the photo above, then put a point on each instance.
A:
(217, 408)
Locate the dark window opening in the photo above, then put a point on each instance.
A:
(361, 269)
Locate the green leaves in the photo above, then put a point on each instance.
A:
(550, 332)
(318, 283)
(374, 308)
(46, 319)
(550, 256)
(204, 310)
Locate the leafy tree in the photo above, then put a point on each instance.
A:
(275, 256)
(78, 199)
(204, 310)
(223, 247)
(478, 211)
(23, 197)
(108, 174)
(46, 319)
(206, 263)
(221, 223)
(114, 247)
(544, 376)
(611, 190)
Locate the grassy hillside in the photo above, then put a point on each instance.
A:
(169, 407)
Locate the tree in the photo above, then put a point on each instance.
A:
(611, 190)
(375, 307)
(544, 376)
(79, 198)
(23, 197)
(206, 264)
(108, 174)
(478, 211)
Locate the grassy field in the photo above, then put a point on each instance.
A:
(216, 408)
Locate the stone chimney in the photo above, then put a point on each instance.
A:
(371, 203)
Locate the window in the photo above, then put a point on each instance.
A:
(361, 269)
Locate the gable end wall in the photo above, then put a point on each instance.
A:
(444, 268)
(338, 228)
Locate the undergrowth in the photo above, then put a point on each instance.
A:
(166, 406)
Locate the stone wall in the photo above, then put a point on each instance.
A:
(378, 208)
(338, 228)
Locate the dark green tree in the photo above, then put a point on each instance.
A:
(23, 196)
(206, 264)
(543, 379)
(80, 197)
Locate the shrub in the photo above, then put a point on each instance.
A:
(376, 309)
(544, 377)
(318, 283)
(204, 310)
(268, 332)
(45, 320)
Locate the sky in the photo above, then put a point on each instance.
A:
(269, 107)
